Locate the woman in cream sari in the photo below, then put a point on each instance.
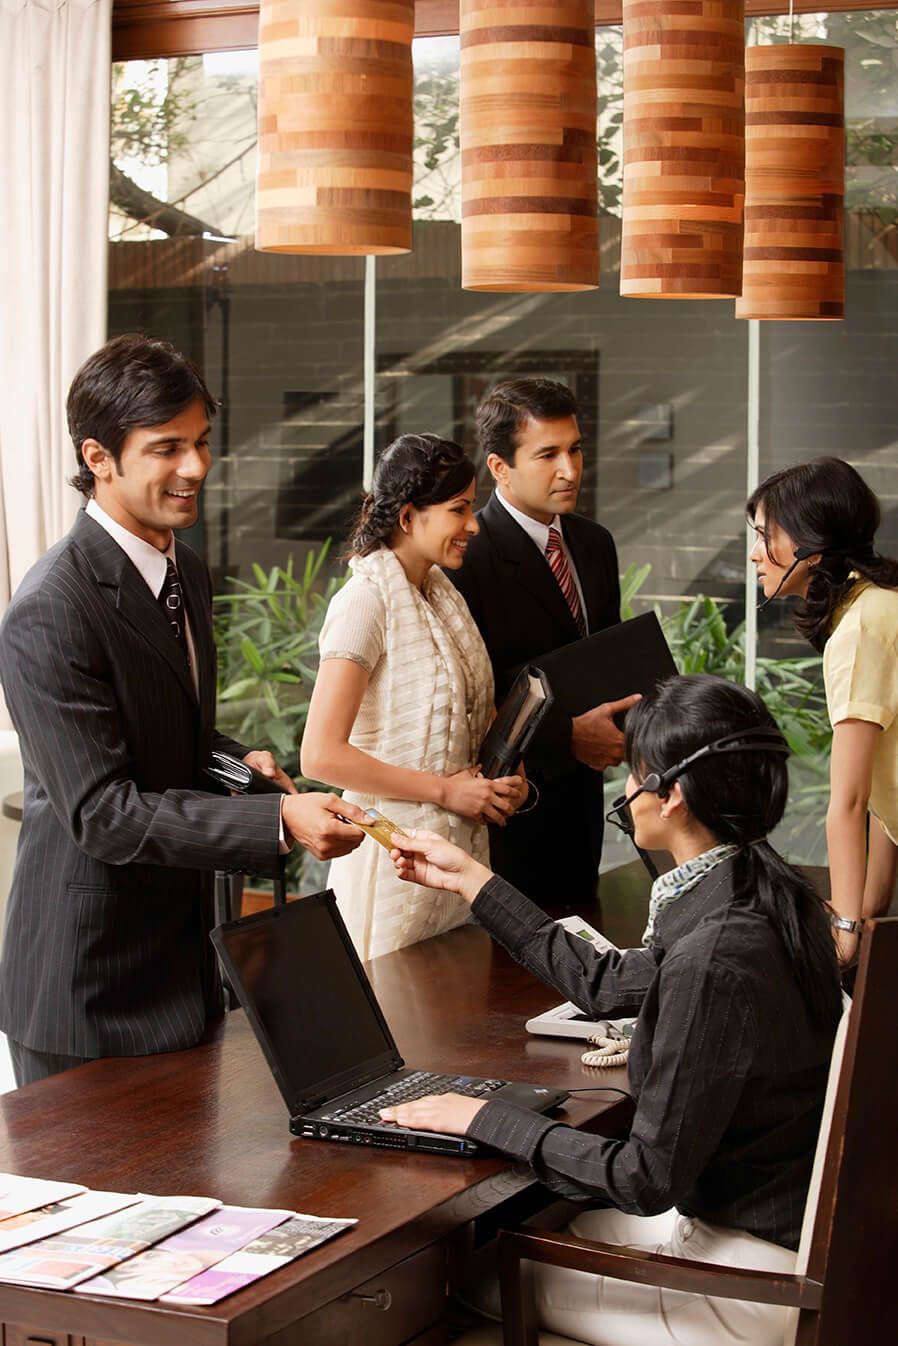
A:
(404, 693)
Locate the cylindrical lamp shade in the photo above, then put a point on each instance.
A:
(684, 149)
(794, 183)
(335, 126)
(528, 145)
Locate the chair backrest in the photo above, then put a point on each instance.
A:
(810, 1210)
(829, 1103)
(850, 1238)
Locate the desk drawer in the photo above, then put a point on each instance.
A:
(391, 1309)
(13, 1334)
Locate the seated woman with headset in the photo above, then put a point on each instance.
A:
(737, 991)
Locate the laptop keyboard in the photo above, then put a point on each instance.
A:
(418, 1084)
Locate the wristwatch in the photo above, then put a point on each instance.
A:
(845, 923)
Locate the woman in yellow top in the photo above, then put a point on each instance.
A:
(816, 525)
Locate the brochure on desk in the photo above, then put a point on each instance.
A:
(186, 1250)
(183, 1255)
(63, 1261)
(274, 1249)
(34, 1225)
(20, 1195)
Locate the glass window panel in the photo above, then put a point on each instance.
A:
(436, 194)
(278, 337)
(662, 385)
(829, 388)
(662, 389)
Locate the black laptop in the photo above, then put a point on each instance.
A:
(298, 976)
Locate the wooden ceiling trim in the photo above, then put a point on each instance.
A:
(147, 28)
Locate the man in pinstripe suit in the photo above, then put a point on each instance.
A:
(106, 949)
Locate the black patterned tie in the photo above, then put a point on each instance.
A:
(172, 603)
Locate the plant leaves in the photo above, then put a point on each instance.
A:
(252, 656)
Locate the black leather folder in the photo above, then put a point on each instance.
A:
(630, 657)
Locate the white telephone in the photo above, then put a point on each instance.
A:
(567, 1021)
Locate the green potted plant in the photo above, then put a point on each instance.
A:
(792, 689)
(266, 633)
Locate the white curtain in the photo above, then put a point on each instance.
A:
(54, 194)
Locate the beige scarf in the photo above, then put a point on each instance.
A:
(436, 703)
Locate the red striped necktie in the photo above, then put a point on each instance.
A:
(558, 564)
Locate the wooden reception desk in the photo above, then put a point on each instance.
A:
(211, 1122)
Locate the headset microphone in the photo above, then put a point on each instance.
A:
(800, 554)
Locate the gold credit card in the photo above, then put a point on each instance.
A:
(381, 829)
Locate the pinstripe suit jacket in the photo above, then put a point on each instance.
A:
(106, 949)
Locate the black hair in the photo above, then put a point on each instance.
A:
(417, 470)
(740, 799)
(825, 505)
(130, 383)
(504, 410)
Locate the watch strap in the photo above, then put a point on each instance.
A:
(846, 923)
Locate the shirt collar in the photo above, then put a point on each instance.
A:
(149, 560)
(673, 885)
(859, 584)
(539, 532)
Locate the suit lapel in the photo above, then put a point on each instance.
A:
(526, 567)
(131, 596)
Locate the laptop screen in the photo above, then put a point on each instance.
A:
(306, 995)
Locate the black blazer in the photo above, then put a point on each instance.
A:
(106, 949)
(521, 613)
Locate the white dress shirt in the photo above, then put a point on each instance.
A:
(539, 534)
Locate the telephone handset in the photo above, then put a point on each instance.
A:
(567, 1021)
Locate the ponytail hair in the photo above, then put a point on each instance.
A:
(825, 505)
(417, 470)
(740, 798)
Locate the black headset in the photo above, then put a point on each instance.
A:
(800, 554)
(759, 738)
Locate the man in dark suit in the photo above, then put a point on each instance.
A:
(108, 666)
(538, 576)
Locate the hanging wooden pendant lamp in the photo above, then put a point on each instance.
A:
(794, 183)
(528, 142)
(684, 148)
(335, 126)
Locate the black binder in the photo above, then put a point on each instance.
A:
(234, 774)
(515, 724)
(609, 665)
